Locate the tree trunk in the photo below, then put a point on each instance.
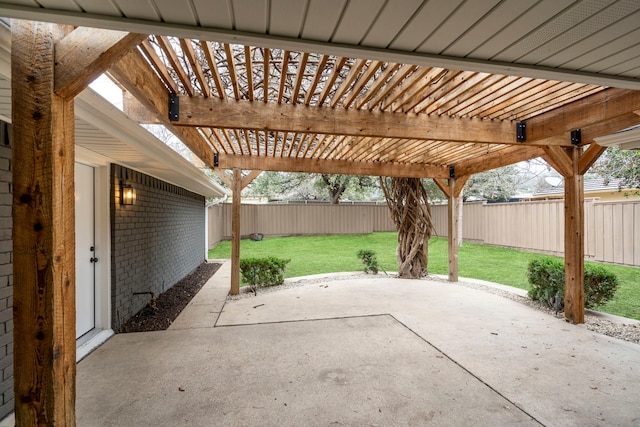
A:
(336, 188)
(411, 213)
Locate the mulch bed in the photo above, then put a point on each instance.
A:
(170, 303)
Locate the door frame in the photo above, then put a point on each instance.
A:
(102, 199)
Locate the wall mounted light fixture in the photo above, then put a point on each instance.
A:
(127, 194)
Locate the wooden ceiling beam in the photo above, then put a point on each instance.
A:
(85, 53)
(249, 71)
(560, 160)
(248, 179)
(174, 61)
(589, 157)
(231, 67)
(212, 112)
(132, 72)
(302, 66)
(316, 78)
(207, 48)
(190, 53)
(301, 164)
(157, 64)
(459, 185)
(601, 107)
(498, 159)
(443, 185)
(589, 133)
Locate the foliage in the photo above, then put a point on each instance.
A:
(368, 258)
(497, 185)
(328, 254)
(338, 185)
(281, 185)
(306, 186)
(619, 164)
(546, 277)
(411, 214)
(259, 272)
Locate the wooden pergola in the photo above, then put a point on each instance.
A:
(253, 108)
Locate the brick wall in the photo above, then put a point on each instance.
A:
(154, 243)
(6, 275)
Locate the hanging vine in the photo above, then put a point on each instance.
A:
(410, 211)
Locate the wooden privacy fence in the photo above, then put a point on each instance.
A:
(612, 229)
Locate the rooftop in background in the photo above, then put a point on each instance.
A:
(593, 187)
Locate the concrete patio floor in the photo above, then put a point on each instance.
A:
(360, 352)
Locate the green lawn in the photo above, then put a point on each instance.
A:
(327, 254)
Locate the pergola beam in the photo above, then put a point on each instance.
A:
(589, 157)
(313, 165)
(134, 74)
(600, 114)
(242, 114)
(85, 53)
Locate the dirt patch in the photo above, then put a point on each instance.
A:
(171, 303)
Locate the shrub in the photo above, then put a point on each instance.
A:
(368, 258)
(546, 277)
(259, 272)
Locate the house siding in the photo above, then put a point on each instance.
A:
(6, 275)
(154, 243)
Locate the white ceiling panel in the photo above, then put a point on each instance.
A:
(105, 7)
(506, 11)
(456, 25)
(620, 44)
(138, 9)
(627, 66)
(251, 15)
(214, 13)
(614, 62)
(30, 3)
(565, 22)
(179, 12)
(610, 36)
(322, 19)
(60, 4)
(593, 24)
(549, 39)
(516, 30)
(392, 19)
(356, 20)
(287, 17)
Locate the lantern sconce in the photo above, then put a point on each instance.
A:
(127, 194)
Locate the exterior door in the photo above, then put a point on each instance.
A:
(85, 251)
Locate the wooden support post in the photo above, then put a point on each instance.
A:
(235, 232)
(574, 242)
(453, 231)
(44, 339)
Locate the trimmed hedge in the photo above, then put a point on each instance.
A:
(546, 277)
(259, 272)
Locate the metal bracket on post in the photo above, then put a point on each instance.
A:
(521, 131)
(576, 137)
(174, 107)
(452, 172)
(216, 160)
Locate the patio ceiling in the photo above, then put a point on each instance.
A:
(247, 107)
